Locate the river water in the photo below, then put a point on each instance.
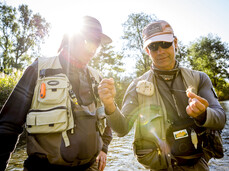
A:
(120, 155)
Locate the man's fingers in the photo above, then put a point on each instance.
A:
(189, 111)
(107, 81)
(110, 87)
(102, 162)
(197, 106)
(104, 90)
(202, 100)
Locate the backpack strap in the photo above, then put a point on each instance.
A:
(191, 79)
(49, 72)
(94, 80)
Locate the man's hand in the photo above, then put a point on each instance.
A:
(101, 159)
(197, 105)
(107, 93)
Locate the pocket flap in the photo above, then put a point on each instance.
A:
(46, 118)
(52, 118)
(31, 120)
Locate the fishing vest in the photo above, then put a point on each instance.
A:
(150, 144)
(64, 137)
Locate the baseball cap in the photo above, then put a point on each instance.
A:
(157, 31)
(92, 28)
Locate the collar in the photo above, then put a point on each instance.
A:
(65, 55)
(167, 75)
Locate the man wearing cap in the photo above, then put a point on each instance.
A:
(57, 101)
(172, 107)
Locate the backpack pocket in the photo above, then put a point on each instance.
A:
(47, 121)
(85, 142)
(152, 156)
(56, 90)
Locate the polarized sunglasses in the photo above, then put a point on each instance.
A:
(155, 46)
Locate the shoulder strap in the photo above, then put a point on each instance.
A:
(94, 80)
(49, 66)
(49, 72)
(191, 78)
(95, 74)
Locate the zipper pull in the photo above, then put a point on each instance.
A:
(159, 151)
(73, 97)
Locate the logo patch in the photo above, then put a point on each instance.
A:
(145, 88)
(53, 83)
(180, 134)
(155, 28)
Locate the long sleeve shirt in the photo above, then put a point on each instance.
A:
(121, 121)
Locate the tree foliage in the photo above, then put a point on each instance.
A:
(21, 33)
(133, 28)
(110, 64)
(181, 55)
(107, 61)
(210, 55)
(7, 83)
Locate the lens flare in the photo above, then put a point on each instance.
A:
(144, 120)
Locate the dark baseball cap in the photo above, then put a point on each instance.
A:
(157, 31)
(92, 27)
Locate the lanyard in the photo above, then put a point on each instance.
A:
(93, 85)
(170, 88)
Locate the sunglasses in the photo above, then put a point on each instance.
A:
(155, 46)
(91, 46)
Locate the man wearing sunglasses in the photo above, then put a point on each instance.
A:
(172, 106)
(57, 101)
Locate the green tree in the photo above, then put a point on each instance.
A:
(133, 28)
(21, 33)
(210, 55)
(110, 64)
(7, 18)
(107, 61)
(181, 55)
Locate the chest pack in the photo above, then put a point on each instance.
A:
(58, 127)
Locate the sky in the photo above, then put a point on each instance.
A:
(190, 19)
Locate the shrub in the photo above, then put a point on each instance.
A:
(7, 83)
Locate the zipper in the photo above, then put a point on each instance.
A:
(55, 108)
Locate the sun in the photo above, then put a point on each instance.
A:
(69, 22)
(72, 25)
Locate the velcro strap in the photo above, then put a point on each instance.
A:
(65, 138)
(50, 72)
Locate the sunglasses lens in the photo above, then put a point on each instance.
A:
(166, 45)
(90, 46)
(155, 46)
